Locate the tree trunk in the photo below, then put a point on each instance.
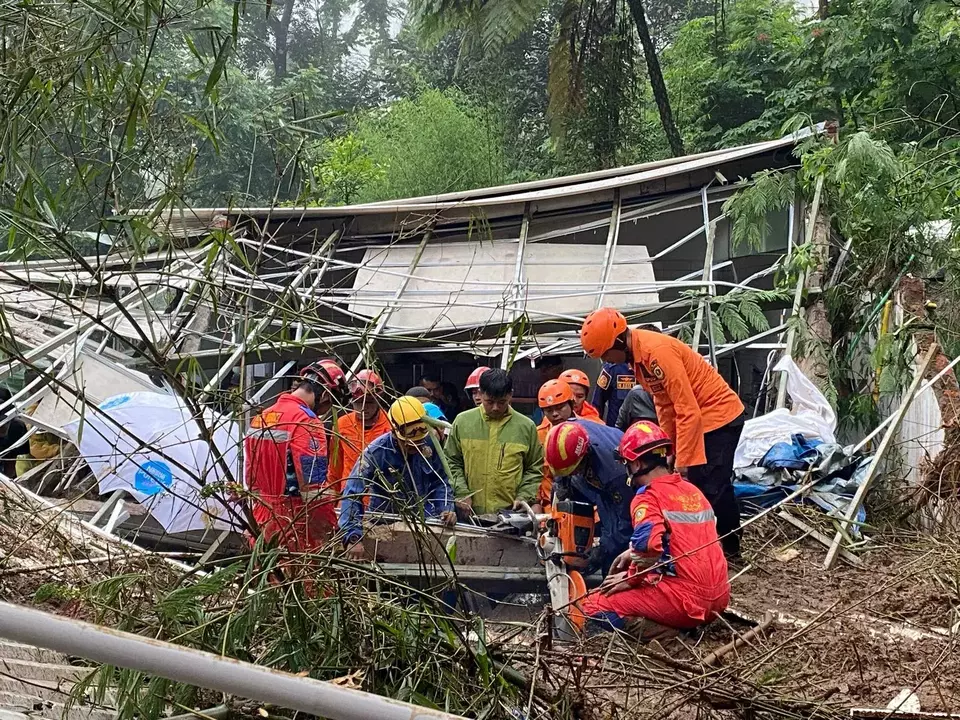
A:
(815, 362)
(656, 78)
(281, 40)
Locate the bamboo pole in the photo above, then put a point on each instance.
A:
(515, 288)
(798, 292)
(878, 456)
(713, 659)
(202, 669)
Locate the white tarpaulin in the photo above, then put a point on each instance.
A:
(149, 445)
(811, 416)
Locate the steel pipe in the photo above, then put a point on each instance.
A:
(202, 669)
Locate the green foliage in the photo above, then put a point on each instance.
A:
(736, 315)
(346, 622)
(343, 171)
(749, 210)
(722, 71)
(436, 143)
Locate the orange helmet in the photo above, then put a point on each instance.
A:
(326, 374)
(641, 438)
(554, 392)
(576, 377)
(566, 445)
(600, 331)
(473, 381)
(365, 381)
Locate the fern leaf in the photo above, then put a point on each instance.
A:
(753, 314)
(749, 210)
(563, 77)
(732, 321)
(718, 334)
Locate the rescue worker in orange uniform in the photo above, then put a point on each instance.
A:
(472, 386)
(330, 403)
(285, 454)
(580, 384)
(556, 399)
(674, 573)
(356, 430)
(695, 407)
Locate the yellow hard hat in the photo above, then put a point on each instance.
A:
(407, 418)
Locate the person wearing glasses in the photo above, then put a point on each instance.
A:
(402, 472)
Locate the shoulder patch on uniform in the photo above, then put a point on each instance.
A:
(603, 381)
(639, 514)
(656, 370)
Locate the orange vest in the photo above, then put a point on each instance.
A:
(589, 412)
(690, 396)
(354, 439)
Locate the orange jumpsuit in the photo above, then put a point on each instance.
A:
(702, 415)
(353, 439)
(690, 396)
(285, 453)
(674, 525)
(589, 412)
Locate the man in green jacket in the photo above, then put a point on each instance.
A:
(493, 452)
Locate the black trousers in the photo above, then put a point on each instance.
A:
(715, 481)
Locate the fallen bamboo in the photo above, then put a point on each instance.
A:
(714, 658)
(824, 540)
(203, 669)
(861, 493)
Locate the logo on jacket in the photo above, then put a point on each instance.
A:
(603, 381)
(314, 445)
(639, 514)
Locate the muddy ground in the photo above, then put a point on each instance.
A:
(844, 638)
(841, 639)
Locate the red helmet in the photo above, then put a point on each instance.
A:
(600, 331)
(327, 374)
(473, 381)
(365, 381)
(554, 392)
(642, 438)
(566, 445)
(576, 377)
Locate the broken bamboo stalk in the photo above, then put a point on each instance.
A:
(820, 537)
(714, 658)
(872, 470)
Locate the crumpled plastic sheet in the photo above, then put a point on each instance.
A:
(840, 473)
(810, 416)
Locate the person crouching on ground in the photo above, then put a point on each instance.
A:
(674, 573)
(401, 472)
